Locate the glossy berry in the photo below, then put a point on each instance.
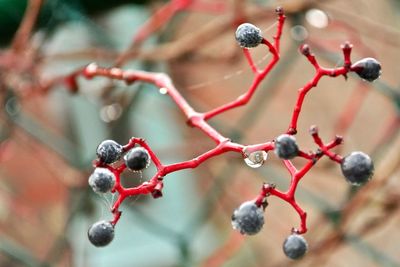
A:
(357, 168)
(286, 146)
(368, 69)
(101, 233)
(248, 218)
(248, 35)
(109, 151)
(295, 246)
(137, 159)
(102, 180)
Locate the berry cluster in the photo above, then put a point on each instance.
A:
(105, 179)
(248, 219)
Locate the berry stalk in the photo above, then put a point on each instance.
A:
(356, 167)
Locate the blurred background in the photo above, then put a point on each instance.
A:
(51, 125)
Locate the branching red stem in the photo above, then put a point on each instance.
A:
(223, 144)
(320, 72)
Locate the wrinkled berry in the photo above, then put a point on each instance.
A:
(109, 151)
(101, 233)
(286, 146)
(248, 218)
(295, 246)
(102, 180)
(137, 159)
(357, 168)
(248, 35)
(368, 69)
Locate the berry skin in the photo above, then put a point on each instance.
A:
(295, 246)
(101, 233)
(286, 147)
(248, 35)
(109, 151)
(102, 180)
(137, 159)
(248, 218)
(368, 69)
(357, 168)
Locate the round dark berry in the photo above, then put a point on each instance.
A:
(101, 233)
(357, 168)
(248, 218)
(295, 246)
(286, 146)
(102, 180)
(368, 69)
(137, 159)
(109, 151)
(248, 35)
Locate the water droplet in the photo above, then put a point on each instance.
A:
(163, 90)
(12, 106)
(299, 33)
(256, 159)
(317, 18)
(111, 112)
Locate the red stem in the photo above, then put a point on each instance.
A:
(320, 72)
(157, 20)
(23, 34)
(223, 144)
(170, 9)
(259, 75)
(250, 60)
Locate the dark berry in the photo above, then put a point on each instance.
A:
(248, 35)
(295, 246)
(101, 233)
(137, 159)
(286, 146)
(357, 168)
(109, 151)
(248, 218)
(368, 69)
(102, 180)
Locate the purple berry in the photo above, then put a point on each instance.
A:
(109, 151)
(295, 246)
(102, 180)
(137, 159)
(368, 69)
(248, 218)
(286, 146)
(101, 233)
(357, 168)
(248, 35)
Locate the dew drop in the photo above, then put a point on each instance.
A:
(12, 106)
(256, 159)
(317, 18)
(299, 33)
(111, 112)
(163, 90)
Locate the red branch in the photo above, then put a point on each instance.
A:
(23, 34)
(223, 144)
(320, 72)
(297, 175)
(166, 12)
